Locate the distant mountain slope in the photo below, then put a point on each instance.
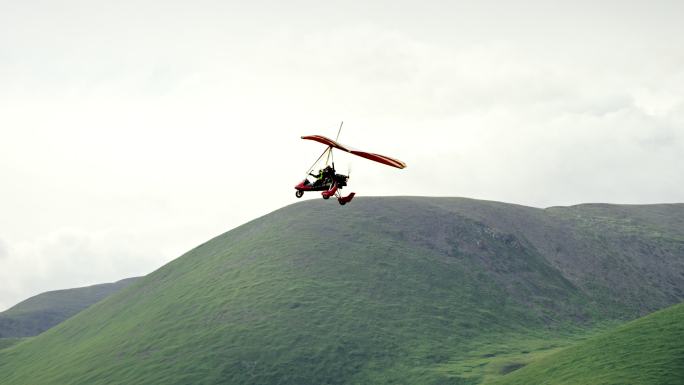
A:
(627, 257)
(43, 311)
(649, 350)
(383, 291)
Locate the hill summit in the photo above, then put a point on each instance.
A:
(386, 290)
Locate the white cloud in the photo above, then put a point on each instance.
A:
(166, 126)
(71, 258)
(4, 252)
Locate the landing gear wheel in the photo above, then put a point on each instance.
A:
(326, 197)
(342, 203)
(299, 193)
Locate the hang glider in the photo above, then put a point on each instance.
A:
(327, 180)
(368, 155)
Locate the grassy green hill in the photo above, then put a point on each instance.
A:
(43, 311)
(649, 350)
(383, 291)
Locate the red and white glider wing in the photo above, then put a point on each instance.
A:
(368, 155)
(327, 142)
(380, 158)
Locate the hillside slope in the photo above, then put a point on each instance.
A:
(387, 290)
(649, 350)
(43, 311)
(629, 258)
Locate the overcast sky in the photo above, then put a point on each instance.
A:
(131, 131)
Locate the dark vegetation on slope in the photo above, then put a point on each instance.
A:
(7, 342)
(43, 311)
(386, 290)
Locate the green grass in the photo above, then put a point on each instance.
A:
(493, 357)
(649, 350)
(383, 291)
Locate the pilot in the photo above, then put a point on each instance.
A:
(328, 173)
(319, 178)
(324, 176)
